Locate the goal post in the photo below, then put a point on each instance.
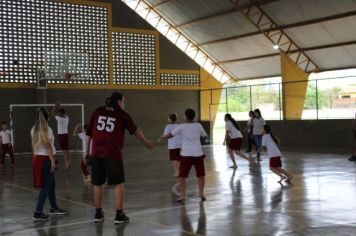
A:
(22, 118)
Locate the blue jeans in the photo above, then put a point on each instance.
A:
(48, 189)
(258, 142)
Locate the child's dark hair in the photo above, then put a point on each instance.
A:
(190, 114)
(268, 130)
(62, 111)
(112, 100)
(173, 117)
(85, 126)
(233, 121)
(4, 123)
(259, 112)
(251, 113)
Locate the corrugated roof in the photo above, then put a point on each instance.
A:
(255, 68)
(181, 11)
(326, 29)
(219, 27)
(240, 48)
(336, 57)
(292, 11)
(329, 32)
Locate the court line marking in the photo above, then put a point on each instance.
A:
(51, 227)
(91, 206)
(143, 212)
(175, 191)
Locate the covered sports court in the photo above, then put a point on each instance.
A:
(294, 60)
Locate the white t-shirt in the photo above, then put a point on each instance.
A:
(176, 141)
(5, 136)
(62, 124)
(258, 124)
(270, 144)
(42, 150)
(191, 133)
(83, 138)
(232, 131)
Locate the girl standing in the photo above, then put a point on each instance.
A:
(82, 136)
(234, 145)
(249, 128)
(257, 130)
(174, 143)
(59, 113)
(270, 142)
(44, 165)
(6, 144)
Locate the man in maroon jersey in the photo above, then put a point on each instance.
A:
(106, 132)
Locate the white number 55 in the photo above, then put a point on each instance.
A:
(106, 123)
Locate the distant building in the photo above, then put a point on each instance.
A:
(348, 92)
(347, 98)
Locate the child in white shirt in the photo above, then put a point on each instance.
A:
(59, 113)
(6, 144)
(270, 143)
(234, 137)
(191, 152)
(174, 143)
(82, 136)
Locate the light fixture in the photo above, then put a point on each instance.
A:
(276, 46)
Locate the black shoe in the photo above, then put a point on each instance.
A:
(121, 218)
(353, 158)
(39, 216)
(59, 211)
(99, 217)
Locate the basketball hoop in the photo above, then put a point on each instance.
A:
(68, 76)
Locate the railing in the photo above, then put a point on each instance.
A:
(328, 98)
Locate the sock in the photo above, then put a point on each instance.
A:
(98, 210)
(119, 212)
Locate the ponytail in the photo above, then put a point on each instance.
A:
(112, 100)
(233, 121)
(268, 130)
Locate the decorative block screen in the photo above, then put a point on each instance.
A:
(30, 28)
(180, 79)
(134, 58)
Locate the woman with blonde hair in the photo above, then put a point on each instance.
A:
(44, 165)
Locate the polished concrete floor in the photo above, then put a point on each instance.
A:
(320, 201)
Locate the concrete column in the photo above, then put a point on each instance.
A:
(207, 81)
(41, 96)
(293, 93)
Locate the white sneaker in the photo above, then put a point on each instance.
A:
(87, 178)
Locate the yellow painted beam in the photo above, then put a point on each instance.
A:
(174, 71)
(158, 59)
(293, 93)
(18, 85)
(117, 86)
(208, 111)
(110, 52)
(135, 31)
(85, 2)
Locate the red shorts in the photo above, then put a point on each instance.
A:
(7, 148)
(37, 171)
(63, 140)
(235, 144)
(174, 154)
(275, 162)
(186, 164)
